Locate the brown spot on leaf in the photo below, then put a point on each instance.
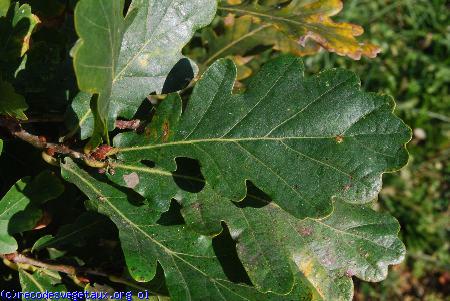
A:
(101, 198)
(131, 180)
(349, 273)
(339, 139)
(347, 187)
(147, 132)
(165, 135)
(196, 206)
(304, 231)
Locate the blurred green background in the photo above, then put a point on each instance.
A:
(414, 67)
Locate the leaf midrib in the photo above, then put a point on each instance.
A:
(219, 140)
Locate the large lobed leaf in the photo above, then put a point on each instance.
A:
(191, 268)
(123, 60)
(275, 246)
(307, 259)
(302, 141)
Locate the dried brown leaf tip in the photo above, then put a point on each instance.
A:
(306, 23)
(165, 131)
(338, 37)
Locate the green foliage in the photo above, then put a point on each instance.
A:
(11, 103)
(206, 188)
(325, 123)
(41, 281)
(137, 53)
(20, 207)
(16, 25)
(4, 5)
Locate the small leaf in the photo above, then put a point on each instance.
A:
(191, 268)
(15, 34)
(11, 103)
(19, 208)
(302, 141)
(4, 6)
(80, 116)
(100, 25)
(143, 55)
(302, 20)
(41, 281)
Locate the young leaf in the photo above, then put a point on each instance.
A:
(100, 25)
(79, 118)
(19, 208)
(41, 281)
(302, 141)
(15, 33)
(4, 6)
(274, 246)
(191, 268)
(302, 20)
(143, 53)
(11, 103)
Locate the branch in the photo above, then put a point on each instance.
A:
(50, 149)
(19, 259)
(22, 259)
